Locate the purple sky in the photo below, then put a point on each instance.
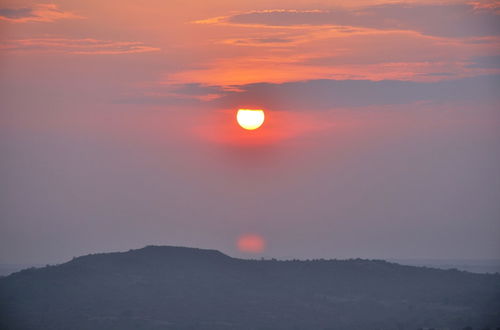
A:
(381, 140)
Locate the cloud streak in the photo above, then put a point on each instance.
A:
(441, 20)
(38, 13)
(85, 46)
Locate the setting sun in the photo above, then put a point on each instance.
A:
(250, 119)
(251, 243)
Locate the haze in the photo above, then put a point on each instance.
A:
(381, 137)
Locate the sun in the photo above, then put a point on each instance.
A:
(250, 119)
(251, 243)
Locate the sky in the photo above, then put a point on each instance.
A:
(118, 128)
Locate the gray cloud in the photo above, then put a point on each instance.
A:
(444, 20)
(326, 94)
(437, 74)
(16, 13)
(272, 40)
(37, 13)
(313, 95)
(485, 62)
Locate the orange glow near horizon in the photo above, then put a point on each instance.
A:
(251, 243)
(250, 119)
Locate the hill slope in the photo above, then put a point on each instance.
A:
(161, 287)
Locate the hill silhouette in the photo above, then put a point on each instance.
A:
(162, 287)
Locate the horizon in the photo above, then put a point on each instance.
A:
(486, 266)
(476, 266)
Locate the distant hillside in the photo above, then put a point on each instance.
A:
(471, 265)
(7, 269)
(161, 287)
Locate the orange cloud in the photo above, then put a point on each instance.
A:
(243, 71)
(38, 13)
(289, 38)
(76, 46)
(227, 20)
(263, 55)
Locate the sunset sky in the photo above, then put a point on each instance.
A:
(381, 140)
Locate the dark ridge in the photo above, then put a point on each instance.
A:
(156, 253)
(165, 287)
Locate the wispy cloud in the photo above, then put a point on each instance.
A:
(37, 13)
(418, 41)
(290, 67)
(489, 5)
(267, 41)
(292, 37)
(475, 19)
(76, 46)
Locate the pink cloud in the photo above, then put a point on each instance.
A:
(76, 46)
(487, 5)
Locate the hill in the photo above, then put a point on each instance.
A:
(161, 287)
